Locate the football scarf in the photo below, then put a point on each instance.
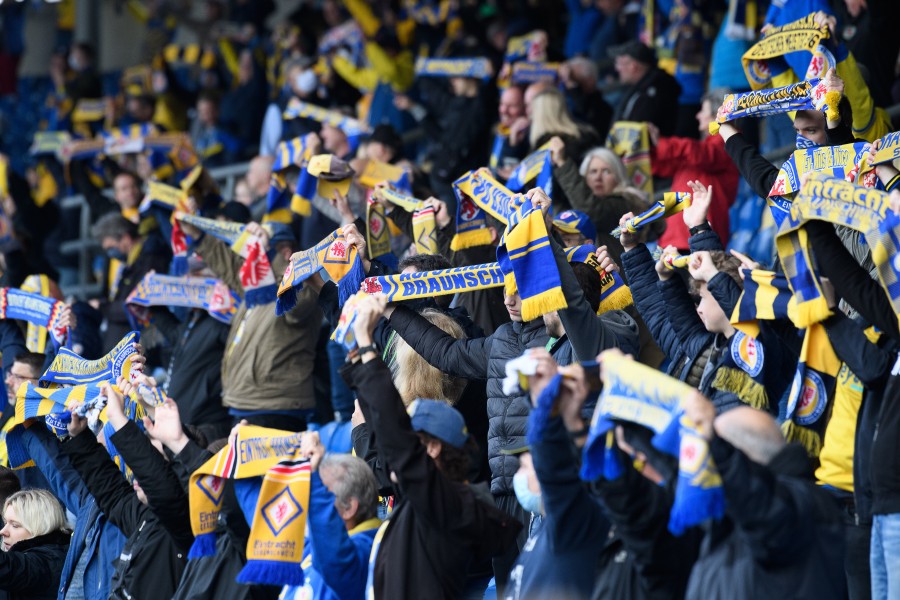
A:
(526, 73)
(278, 200)
(889, 150)
(639, 394)
(34, 305)
(614, 294)
(805, 95)
(295, 152)
(741, 20)
(257, 279)
(477, 195)
(535, 167)
(353, 129)
(800, 35)
(425, 231)
(532, 267)
(427, 284)
(376, 172)
(54, 404)
(343, 334)
(499, 147)
(89, 110)
(529, 47)
(278, 527)
(333, 254)
(475, 68)
(70, 369)
(630, 140)
(841, 203)
(378, 233)
(210, 295)
(671, 203)
(843, 162)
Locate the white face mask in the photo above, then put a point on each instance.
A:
(73, 63)
(306, 82)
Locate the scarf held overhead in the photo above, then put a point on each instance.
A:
(275, 547)
(639, 394)
(805, 95)
(210, 295)
(841, 203)
(800, 35)
(671, 203)
(630, 140)
(69, 368)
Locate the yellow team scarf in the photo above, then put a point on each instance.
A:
(801, 35)
(378, 233)
(631, 141)
(841, 203)
(423, 222)
(36, 335)
(275, 547)
(672, 203)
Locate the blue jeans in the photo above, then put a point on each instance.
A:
(885, 556)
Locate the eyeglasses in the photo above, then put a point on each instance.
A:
(17, 376)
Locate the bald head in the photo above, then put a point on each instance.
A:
(512, 105)
(258, 173)
(753, 432)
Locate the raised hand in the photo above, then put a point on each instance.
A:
(697, 213)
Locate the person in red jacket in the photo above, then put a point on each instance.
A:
(684, 160)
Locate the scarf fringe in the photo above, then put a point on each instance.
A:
(739, 383)
(618, 300)
(470, 239)
(812, 311)
(266, 572)
(286, 302)
(204, 545)
(262, 295)
(279, 215)
(543, 303)
(349, 283)
(695, 510)
(809, 439)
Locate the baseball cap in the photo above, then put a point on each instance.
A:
(440, 420)
(636, 50)
(575, 221)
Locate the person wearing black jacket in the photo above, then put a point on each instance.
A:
(138, 255)
(159, 538)
(440, 527)
(652, 91)
(195, 367)
(782, 536)
(35, 543)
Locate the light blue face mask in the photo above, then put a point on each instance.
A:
(530, 501)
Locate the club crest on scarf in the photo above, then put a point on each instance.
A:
(747, 353)
(809, 398)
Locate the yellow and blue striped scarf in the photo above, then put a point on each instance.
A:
(475, 68)
(535, 167)
(631, 141)
(639, 394)
(841, 203)
(352, 128)
(333, 255)
(671, 203)
(70, 369)
(614, 294)
(477, 194)
(800, 35)
(211, 295)
(34, 305)
(275, 547)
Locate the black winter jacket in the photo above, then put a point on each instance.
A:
(482, 358)
(440, 528)
(782, 536)
(31, 569)
(152, 560)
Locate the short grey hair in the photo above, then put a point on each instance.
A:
(113, 225)
(38, 511)
(353, 479)
(587, 67)
(610, 158)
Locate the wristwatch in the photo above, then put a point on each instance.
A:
(370, 348)
(700, 228)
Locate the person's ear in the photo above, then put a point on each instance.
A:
(349, 512)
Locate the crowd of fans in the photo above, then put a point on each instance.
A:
(436, 464)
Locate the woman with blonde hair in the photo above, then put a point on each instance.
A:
(34, 540)
(550, 117)
(414, 377)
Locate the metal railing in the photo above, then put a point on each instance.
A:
(85, 247)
